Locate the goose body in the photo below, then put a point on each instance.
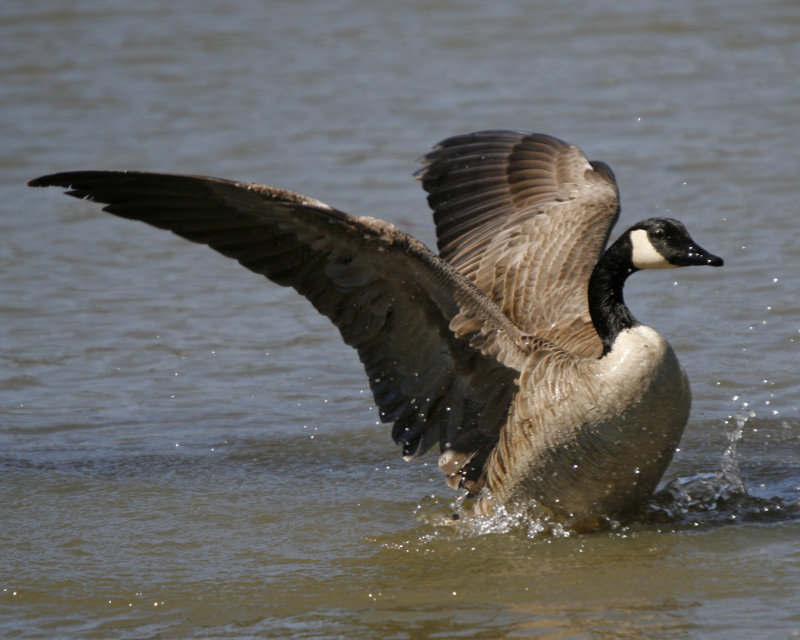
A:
(512, 350)
(594, 436)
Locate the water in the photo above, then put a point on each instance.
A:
(188, 451)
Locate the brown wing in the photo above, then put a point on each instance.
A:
(390, 297)
(525, 216)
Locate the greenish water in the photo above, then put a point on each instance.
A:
(187, 451)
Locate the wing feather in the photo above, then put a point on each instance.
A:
(524, 216)
(391, 298)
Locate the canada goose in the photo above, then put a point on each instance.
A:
(512, 350)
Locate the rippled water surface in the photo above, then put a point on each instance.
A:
(187, 451)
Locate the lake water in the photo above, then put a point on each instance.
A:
(187, 451)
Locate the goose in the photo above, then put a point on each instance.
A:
(512, 350)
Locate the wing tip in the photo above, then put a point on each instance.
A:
(68, 179)
(42, 181)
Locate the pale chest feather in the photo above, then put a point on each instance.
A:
(641, 376)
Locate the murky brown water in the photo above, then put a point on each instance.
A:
(187, 451)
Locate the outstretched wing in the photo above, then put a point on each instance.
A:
(525, 216)
(440, 356)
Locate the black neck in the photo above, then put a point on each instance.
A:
(609, 314)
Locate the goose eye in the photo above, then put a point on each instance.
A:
(658, 233)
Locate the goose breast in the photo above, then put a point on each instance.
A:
(591, 436)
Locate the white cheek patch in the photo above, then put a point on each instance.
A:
(645, 255)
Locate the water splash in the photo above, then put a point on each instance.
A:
(456, 518)
(717, 496)
(711, 491)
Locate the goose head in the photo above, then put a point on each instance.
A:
(655, 243)
(663, 243)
